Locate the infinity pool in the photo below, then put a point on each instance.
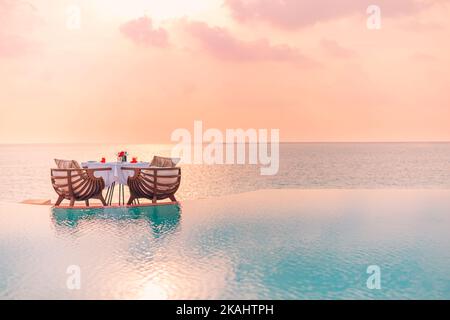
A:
(272, 244)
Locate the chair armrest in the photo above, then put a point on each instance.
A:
(154, 170)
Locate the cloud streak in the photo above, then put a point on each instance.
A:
(334, 49)
(220, 43)
(18, 19)
(13, 46)
(142, 32)
(294, 14)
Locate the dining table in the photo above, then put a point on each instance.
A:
(115, 176)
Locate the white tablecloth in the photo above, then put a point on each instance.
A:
(116, 174)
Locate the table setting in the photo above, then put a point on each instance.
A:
(115, 176)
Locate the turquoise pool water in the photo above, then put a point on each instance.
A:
(273, 244)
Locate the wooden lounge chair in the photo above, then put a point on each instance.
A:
(153, 183)
(78, 185)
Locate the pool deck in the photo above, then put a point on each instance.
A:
(280, 196)
(288, 199)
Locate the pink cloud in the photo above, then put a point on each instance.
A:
(5, 7)
(23, 11)
(18, 18)
(220, 43)
(13, 46)
(423, 57)
(292, 14)
(142, 32)
(334, 49)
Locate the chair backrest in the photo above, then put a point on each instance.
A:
(164, 162)
(67, 164)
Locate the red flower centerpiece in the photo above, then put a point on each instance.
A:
(122, 156)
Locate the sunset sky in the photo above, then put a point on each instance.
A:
(134, 71)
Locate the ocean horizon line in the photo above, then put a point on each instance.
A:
(224, 143)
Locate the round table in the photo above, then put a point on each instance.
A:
(114, 176)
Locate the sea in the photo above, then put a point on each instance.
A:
(25, 169)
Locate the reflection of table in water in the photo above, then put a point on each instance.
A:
(114, 176)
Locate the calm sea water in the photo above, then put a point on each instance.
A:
(24, 169)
